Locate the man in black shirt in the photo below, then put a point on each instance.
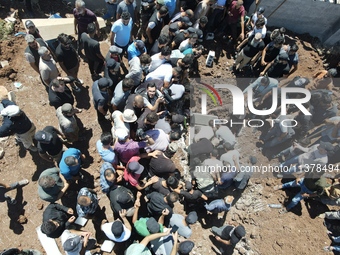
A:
(68, 59)
(16, 122)
(254, 46)
(102, 98)
(163, 166)
(50, 146)
(92, 51)
(56, 219)
(156, 203)
(121, 198)
(59, 93)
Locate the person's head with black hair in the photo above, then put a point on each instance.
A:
(293, 49)
(106, 139)
(163, 11)
(151, 118)
(171, 198)
(278, 41)
(64, 41)
(165, 52)
(48, 227)
(128, 84)
(125, 18)
(203, 21)
(214, 153)
(189, 13)
(163, 40)
(260, 22)
(172, 182)
(177, 72)
(188, 60)
(265, 81)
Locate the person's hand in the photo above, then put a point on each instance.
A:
(297, 180)
(160, 100)
(165, 212)
(175, 236)
(242, 36)
(108, 116)
(71, 219)
(70, 211)
(262, 73)
(119, 178)
(139, 194)
(146, 199)
(155, 153)
(75, 32)
(122, 213)
(153, 179)
(305, 195)
(263, 63)
(137, 204)
(218, 238)
(295, 145)
(86, 238)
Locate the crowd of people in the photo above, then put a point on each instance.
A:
(141, 93)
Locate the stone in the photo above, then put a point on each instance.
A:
(40, 206)
(22, 219)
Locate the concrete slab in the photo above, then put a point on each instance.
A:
(200, 119)
(51, 28)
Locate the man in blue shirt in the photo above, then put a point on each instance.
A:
(70, 164)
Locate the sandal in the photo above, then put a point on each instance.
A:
(277, 187)
(283, 211)
(327, 248)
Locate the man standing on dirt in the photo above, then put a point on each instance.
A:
(47, 66)
(82, 18)
(31, 52)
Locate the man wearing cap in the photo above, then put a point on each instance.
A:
(32, 29)
(121, 32)
(112, 72)
(16, 122)
(253, 47)
(136, 49)
(121, 198)
(118, 231)
(229, 234)
(114, 53)
(56, 218)
(121, 93)
(47, 66)
(87, 202)
(67, 122)
(101, 98)
(133, 172)
(183, 223)
(31, 52)
(163, 166)
(126, 148)
(50, 146)
(138, 66)
(68, 59)
(279, 67)
(51, 185)
(70, 164)
(93, 54)
(82, 18)
(77, 242)
(155, 25)
(147, 226)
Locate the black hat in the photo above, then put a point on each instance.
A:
(261, 10)
(236, 235)
(29, 23)
(191, 218)
(140, 46)
(186, 20)
(173, 27)
(152, 225)
(124, 197)
(185, 247)
(117, 228)
(43, 137)
(112, 64)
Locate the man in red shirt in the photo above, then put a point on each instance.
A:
(236, 14)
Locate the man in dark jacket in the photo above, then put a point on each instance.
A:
(16, 122)
(56, 219)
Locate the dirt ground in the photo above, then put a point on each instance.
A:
(299, 232)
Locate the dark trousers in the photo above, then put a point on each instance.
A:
(95, 66)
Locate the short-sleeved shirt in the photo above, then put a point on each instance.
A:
(250, 50)
(130, 177)
(84, 20)
(135, 72)
(122, 32)
(160, 138)
(141, 228)
(50, 194)
(277, 70)
(68, 57)
(108, 155)
(163, 73)
(69, 171)
(137, 248)
(91, 47)
(66, 124)
(84, 210)
(100, 98)
(119, 96)
(191, 198)
(57, 99)
(106, 228)
(133, 51)
(161, 166)
(32, 55)
(48, 70)
(127, 150)
(130, 8)
(54, 147)
(236, 13)
(228, 157)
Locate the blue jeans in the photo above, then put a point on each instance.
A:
(111, 11)
(298, 197)
(288, 163)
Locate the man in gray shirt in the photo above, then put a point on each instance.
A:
(121, 93)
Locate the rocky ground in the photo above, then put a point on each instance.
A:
(268, 233)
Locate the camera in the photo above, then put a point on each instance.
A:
(167, 96)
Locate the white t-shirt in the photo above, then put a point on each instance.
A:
(226, 135)
(228, 157)
(107, 230)
(155, 62)
(163, 73)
